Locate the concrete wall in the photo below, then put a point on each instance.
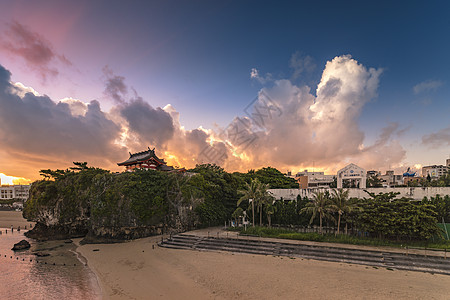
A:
(416, 193)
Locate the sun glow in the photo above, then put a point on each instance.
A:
(171, 159)
(9, 180)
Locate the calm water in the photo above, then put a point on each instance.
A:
(21, 278)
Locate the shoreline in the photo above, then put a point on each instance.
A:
(58, 262)
(140, 269)
(86, 263)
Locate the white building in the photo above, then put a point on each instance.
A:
(19, 192)
(356, 175)
(435, 171)
(307, 179)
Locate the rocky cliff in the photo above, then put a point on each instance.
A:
(101, 206)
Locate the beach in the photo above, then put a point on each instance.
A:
(47, 270)
(13, 218)
(141, 270)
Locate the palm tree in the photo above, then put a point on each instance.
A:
(270, 210)
(340, 204)
(320, 204)
(263, 198)
(251, 193)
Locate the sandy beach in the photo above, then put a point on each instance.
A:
(142, 270)
(13, 218)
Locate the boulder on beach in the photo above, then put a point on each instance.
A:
(41, 254)
(23, 244)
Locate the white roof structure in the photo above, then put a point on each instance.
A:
(352, 172)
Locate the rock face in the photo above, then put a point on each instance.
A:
(99, 206)
(100, 235)
(43, 232)
(23, 244)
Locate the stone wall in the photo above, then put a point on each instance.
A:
(417, 193)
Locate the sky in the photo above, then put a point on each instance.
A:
(244, 84)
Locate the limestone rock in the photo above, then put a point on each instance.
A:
(23, 244)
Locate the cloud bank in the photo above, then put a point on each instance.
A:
(287, 126)
(440, 138)
(36, 132)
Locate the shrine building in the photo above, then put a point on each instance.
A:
(147, 160)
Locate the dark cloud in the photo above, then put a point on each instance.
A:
(115, 86)
(37, 52)
(38, 126)
(152, 126)
(145, 125)
(440, 138)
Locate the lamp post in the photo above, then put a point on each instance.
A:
(253, 211)
(245, 220)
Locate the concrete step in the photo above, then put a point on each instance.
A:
(394, 260)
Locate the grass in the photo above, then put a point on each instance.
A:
(341, 238)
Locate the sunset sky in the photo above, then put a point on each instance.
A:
(244, 84)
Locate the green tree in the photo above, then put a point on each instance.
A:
(251, 193)
(320, 205)
(341, 204)
(374, 181)
(221, 189)
(270, 211)
(274, 178)
(263, 199)
(79, 166)
(401, 219)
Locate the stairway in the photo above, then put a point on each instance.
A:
(392, 260)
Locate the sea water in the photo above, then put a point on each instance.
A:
(61, 275)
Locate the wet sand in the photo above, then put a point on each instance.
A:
(135, 270)
(48, 270)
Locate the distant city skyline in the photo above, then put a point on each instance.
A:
(345, 82)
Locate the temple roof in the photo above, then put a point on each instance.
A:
(141, 157)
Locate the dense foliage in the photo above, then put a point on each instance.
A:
(208, 195)
(205, 196)
(380, 216)
(399, 219)
(271, 176)
(441, 206)
(67, 195)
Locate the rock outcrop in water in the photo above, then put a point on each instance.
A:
(23, 244)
